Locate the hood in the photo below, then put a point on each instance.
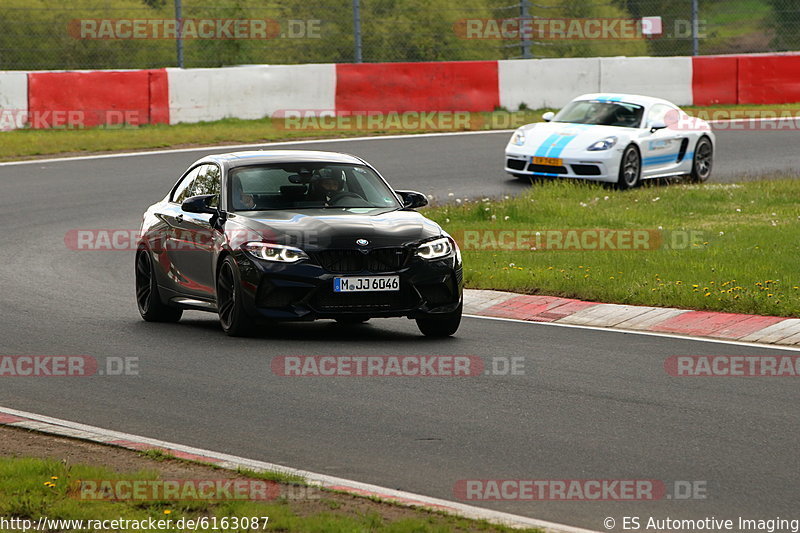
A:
(312, 229)
(553, 139)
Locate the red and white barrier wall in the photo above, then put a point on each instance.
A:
(248, 92)
(13, 100)
(101, 97)
(193, 95)
(554, 82)
(441, 86)
(747, 79)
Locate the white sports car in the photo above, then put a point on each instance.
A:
(621, 139)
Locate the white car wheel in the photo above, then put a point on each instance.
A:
(703, 160)
(630, 168)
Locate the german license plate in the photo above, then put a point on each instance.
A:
(548, 161)
(366, 283)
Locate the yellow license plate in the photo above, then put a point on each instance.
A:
(549, 161)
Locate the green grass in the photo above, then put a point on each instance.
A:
(734, 18)
(268, 475)
(32, 488)
(735, 26)
(34, 143)
(745, 260)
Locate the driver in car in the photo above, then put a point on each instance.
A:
(327, 187)
(597, 114)
(242, 200)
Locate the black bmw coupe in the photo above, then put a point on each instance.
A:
(264, 236)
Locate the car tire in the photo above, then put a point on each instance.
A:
(352, 320)
(440, 326)
(233, 318)
(703, 161)
(148, 299)
(630, 168)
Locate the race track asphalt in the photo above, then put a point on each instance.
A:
(590, 405)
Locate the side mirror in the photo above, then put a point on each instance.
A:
(547, 117)
(200, 204)
(412, 199)
(657, 125)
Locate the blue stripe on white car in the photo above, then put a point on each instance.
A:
(605, 99)
(557, 142)
(562, 143)
(542, 150)
(666, 158)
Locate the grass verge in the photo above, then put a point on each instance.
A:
(33, 487)
(29, 143)
(721, 247)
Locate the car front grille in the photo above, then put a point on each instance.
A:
(327, 300)
(350, 261)
(547, 169)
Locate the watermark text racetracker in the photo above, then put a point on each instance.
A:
(479, 239)
(174, 239)
(188, 490)
(745, 120)
(71, 119)
(579, 490)
(67, 366)
(394, 120)
(742, 366)
(192, 28)
(578, 239)
(415, 366)
(579, 29)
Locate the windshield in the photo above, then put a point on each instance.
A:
(603, 113)
(292, 186)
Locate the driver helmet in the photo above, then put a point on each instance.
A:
(329, 181)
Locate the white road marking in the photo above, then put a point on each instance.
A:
(636, 332)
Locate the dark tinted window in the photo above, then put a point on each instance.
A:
(602, 113)
(308, 186)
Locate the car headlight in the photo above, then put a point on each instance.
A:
(435, 249)
(275, 252)
(519, 137)
(604, 144)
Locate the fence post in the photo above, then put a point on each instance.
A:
(695, 29)
(178, 37)
(357, 29)
(524, 39)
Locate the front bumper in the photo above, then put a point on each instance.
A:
(598, 166)
(304, 291)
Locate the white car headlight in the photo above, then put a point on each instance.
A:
(275, 252)
(435, 249)
(604, 144)
(518, 138)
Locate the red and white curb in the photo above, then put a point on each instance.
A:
(65, 428)
(726, 326)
